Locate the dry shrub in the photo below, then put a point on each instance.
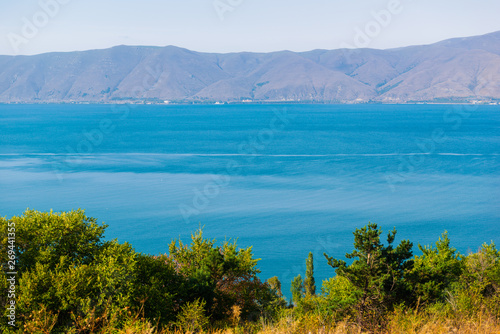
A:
(41, 321)
(410, 322)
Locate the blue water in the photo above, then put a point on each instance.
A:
(287, 179)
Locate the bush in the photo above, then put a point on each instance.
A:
(478, 286)
(45, 237)
(192, 317)
(65, 269)
(157, 288)
(340, 297)
(435, 271)
(83, 291)
(223, 276)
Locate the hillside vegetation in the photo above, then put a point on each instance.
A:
(71, 280)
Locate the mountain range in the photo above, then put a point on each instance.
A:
(460, 69)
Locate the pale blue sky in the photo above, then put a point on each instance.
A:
(252, 25)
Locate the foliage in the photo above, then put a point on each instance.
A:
(157, 289)
(79, 291)
(66, 270)
(192, 317)
(277, 301)
(477, 289)
(483, 268)
(275, 285)
(81, 281)
(378, 273)
(309, 283)
(45, 237)
(435, 271)
(297, 289)
(70, 280)
(340, 297)
(222, 276)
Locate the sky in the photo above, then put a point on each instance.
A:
(38, 26)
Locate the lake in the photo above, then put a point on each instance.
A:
(286, 179)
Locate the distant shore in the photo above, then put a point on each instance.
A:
(494, 103)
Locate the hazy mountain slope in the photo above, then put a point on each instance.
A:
(288, 76)
(49, 77)
(488, 42)
(170, 73)
(460, 68)
(473, 73)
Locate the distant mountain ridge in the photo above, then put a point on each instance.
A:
(460, 69)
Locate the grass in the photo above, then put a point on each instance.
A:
(399, 322)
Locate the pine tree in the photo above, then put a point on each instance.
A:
(377, 273)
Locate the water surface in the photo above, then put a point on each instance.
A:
(287, 179)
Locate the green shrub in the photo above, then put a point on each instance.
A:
(157, 289)
(435, 271)
(192, 317)
(478, 286)
(340, 297)
(84, 291)
(45, 237)
(223, 276)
